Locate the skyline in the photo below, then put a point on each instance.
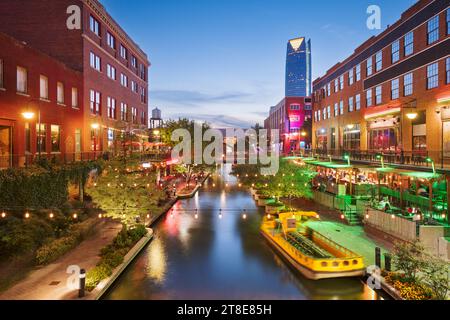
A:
(219, 68)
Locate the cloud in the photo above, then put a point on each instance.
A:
(194, 98)
(217, 121)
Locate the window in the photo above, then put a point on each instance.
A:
(111, 40)
(123, 80)
(395, 51)
(318, 115)
(1, 74)
(350, 104)
(369, 69)
(111, 72)
(369, 98)
(379, 61)
(352, 137)
(448, 21)
(123, 112)
(336, 110)
(60, 92)
(55, 134)
(143, 95)
(41, 137)
(94, 25)
(395, 89)
(324, 113)
(447, 70)
(409, 43)
(341, 82)
(408, 84)
(123, 52)
(433, 29)
(336, 85)
(341, 107)
(143, 118)
(95, 61)
(142, 72)
(111, 104)
(350, 77)
(358, 102)
(22, 80)
(95, 100)
(378, 95)
(358, 72)
(295, 107)
(134, 62)
(432, 76)
(329, 112)
(74, 98)
(134, 86)
(328, 90)
(43, 87)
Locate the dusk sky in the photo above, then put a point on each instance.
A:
(223, 61)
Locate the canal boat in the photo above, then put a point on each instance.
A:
(312, 254)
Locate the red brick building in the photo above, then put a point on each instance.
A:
(392, 95)
(37, 89)
(114, 69)
(292, 117)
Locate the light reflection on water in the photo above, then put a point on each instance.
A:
(227, 258)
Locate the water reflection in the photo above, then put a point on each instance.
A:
(213, 257)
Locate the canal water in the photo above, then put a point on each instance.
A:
(206, 249)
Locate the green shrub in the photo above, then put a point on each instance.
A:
(97, 274)
(55, 249)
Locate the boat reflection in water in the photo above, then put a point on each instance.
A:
(207, 249)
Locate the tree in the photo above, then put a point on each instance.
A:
(436, 276)
(409, 258)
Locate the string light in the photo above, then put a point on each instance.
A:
(109, 185)
(268, 216)
(100, 216)
(75, 216)
(367, 217)
(244, 216)
(51, 215)
(148, 216)
(342, 217)
(3, 214)
(27, 215)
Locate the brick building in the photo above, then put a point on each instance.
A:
(40, 104)
(292, 117)
(114, 69)
(392, 95)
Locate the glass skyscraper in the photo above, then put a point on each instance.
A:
(298, 68)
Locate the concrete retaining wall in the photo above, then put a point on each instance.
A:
(397, 227)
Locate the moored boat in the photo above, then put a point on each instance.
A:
(311, 253)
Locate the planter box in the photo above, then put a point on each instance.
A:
(274, 209)
(263, 202)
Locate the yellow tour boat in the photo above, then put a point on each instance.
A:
(312, 254)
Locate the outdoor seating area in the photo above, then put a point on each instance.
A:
(414, 195)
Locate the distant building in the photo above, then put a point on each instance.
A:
(298, 68)
(292, 116)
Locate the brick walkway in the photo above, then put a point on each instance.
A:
(49, 282)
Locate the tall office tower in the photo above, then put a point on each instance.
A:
(298, 68)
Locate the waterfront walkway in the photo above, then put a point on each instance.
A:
(50, 282)
(352, 237)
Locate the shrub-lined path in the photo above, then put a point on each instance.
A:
(49, 282)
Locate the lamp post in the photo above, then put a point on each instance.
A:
(347, 157)
(95, 127)
(429, 160)
(28, 115)
(381, 158)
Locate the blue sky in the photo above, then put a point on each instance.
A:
(223, 61)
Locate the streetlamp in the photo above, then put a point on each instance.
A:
(347, 157)
(95, 127)
(381, 158)
(28, 115)
(429, 160)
